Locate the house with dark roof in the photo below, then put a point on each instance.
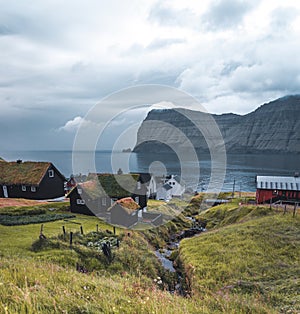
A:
(270, 189)
(31, 180)
(124, 212)
(100, 191)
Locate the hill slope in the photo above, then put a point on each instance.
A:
(250, 265)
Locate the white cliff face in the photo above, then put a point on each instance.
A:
(274, 127)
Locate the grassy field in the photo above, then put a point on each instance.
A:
(247, 262)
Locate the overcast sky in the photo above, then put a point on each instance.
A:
(59, 58)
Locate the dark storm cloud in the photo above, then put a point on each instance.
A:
(225, 14)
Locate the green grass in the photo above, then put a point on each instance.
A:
(247, 263)
(30, 286)
(253, 264)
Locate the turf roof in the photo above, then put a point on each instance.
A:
(27, 173)
(112, 185)
(127, 203)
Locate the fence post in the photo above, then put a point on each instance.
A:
(71, 238)
(81, 230)
(97, 228)
(284, 209)
(295, 208)
(64, 231)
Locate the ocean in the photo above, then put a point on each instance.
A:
(241, 170)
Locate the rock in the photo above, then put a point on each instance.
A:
(273, 127)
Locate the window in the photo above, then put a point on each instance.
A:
(33, 189)
(80, 201)
(103, 201)
(51, 173)
(139, 185)
(137, 199)
(79, 191)
(23, 188)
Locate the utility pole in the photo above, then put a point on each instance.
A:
(233, 188)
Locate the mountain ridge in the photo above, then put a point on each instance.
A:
(272, 127)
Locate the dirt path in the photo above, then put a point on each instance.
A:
(4, 202)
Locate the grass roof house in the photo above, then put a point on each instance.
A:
(124, 212)
(31, 180)
(100, 191)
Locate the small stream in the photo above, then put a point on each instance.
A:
(164, 254)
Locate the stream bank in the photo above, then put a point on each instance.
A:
(169, 259)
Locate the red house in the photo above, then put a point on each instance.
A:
(272, 189)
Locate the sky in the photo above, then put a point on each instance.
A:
(58, 59)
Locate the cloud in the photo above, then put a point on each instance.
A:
(226, 14)
(159, 43)
(72, 125)
(165, 15)
(57, 63)
(282, 18)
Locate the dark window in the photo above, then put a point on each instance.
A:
(51, 173)
(23, 188)
(33, 189)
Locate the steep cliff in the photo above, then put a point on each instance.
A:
(273, 127)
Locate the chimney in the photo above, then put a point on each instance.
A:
(19, 161)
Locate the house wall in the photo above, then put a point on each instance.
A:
(264, 195)
(118, 216)
(82, 204)
(163, 194)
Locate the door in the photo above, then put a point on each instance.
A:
(5, 191)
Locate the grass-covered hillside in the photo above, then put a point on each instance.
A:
(248, 262)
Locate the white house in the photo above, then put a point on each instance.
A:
(177, 187)
(169, 186)
(164, 192)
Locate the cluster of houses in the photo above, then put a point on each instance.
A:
(119, 198)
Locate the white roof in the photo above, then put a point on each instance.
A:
(278, 183)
